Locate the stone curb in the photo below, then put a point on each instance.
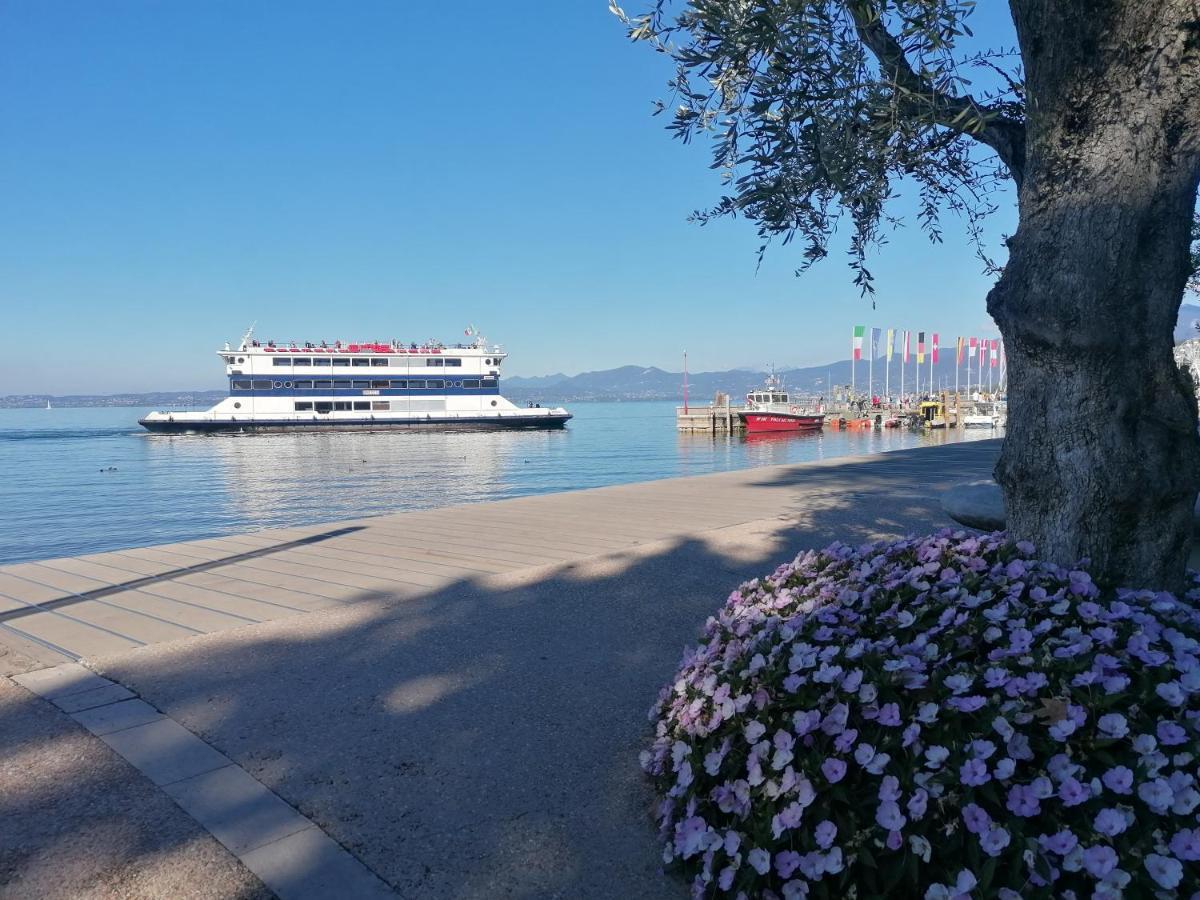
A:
(289, 853)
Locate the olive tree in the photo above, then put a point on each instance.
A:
(822, 111)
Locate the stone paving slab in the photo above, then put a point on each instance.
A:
(241, 813)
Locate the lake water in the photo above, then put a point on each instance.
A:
(86, 480)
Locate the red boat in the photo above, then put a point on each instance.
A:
(770, 408)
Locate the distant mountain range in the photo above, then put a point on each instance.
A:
(623, 383)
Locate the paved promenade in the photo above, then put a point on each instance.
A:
(444, 703)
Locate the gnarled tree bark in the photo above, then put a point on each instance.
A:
(1102, 458)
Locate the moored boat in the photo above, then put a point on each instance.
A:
(770, 408)
(291, 386)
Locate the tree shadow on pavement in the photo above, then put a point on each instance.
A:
(482, 740)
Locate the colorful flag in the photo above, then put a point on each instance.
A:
(875, 333)
(920, 347)
(995, 353)
(971, 344)
(856, 342)
(982, 352)
(890, 336)
(935, 348)
(906, 337)
(958, 360)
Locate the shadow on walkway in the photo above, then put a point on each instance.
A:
(482, 740)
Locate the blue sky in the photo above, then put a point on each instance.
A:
(171, 172)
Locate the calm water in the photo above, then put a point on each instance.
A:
(86, 480)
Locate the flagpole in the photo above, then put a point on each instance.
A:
(970, 353)
(852, 368)
(887, 375)
(903, 354)
(871, 367)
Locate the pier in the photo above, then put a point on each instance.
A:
(440, 703)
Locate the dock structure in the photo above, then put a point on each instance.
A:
(439, 703)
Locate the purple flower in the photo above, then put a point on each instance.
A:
(889, 817)
(1166, 871)
(690, 836)
(1023, 801)
(1119, 780)
(889, 715)
(834, 770)
(994, 840)
(1171, 734)
(759, 860)
(786, 863)
(1186, 844)
(966, 704)
(1113, 725)
(1099, 860)
(825, 834)
(1062, 842)
(1110, 821)
(1004, 769)
(935, 756)
(917, 803)
(976, 817)
(974, 772)
(1156, 794)
(1072, 793)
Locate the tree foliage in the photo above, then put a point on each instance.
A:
(818, 109)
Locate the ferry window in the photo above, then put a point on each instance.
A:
(241, 385)
(381, 404)
(343, 406)
(341, 361)
(281, 361)
(470, 382)
(452, 361)
(304, 406)
(287, 384)
(379, 362)
(324, 407)
(436, 361)
(399, 385)
(487, 362)
(415, 385)
(241, 359)
(363, 361)
(362, 404)
(361, 385)
(381, 385)
(488, 382)
(457, 383)
(436, 385)
(304, 385)
(261, 385)
(323, 385)
(301, 361)
(342, 385)
(279, 384)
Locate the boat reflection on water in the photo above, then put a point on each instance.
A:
(279, 479)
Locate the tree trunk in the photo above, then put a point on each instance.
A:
(1102, 458)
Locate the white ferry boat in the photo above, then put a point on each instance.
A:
(360, 386)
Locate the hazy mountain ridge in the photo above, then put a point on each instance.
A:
(625, 382)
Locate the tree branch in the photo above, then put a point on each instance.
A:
(963, 114)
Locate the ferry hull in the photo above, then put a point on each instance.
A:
(181, 425)
(757, 423)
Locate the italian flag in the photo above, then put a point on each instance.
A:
(856, 343)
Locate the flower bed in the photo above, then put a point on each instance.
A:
(934, 718)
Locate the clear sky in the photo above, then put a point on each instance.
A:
(170, 172)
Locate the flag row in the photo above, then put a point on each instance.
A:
(898, 342)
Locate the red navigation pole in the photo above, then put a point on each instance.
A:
(685, 404)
